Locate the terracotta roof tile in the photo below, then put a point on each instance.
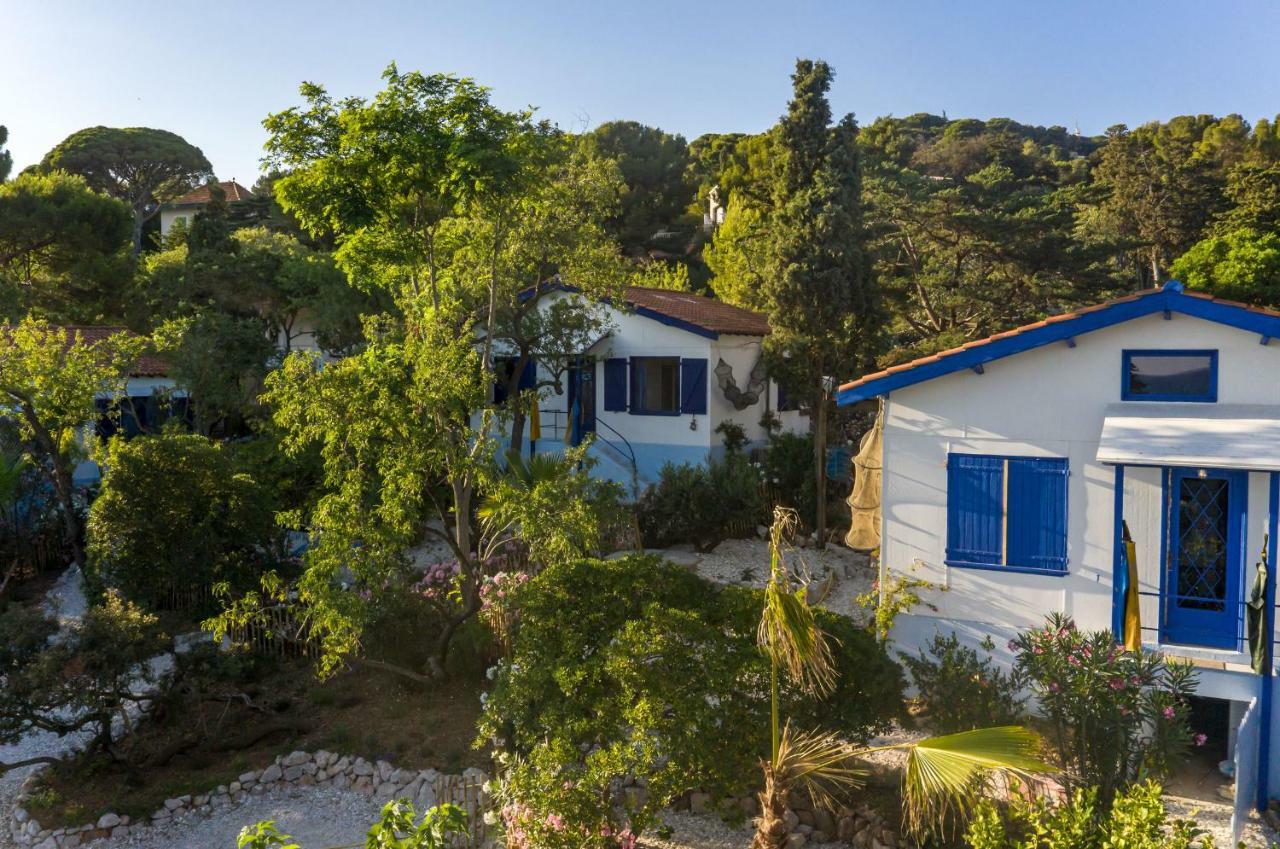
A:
(148, 365)
(200, 195)
(1053, 319)
(699, 310)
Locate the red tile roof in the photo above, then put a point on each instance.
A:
(200, 195)
(148, 365)
(1054, 319)
(699, 310)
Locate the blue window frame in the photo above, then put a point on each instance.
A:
(1007, 513)
(1169, 375)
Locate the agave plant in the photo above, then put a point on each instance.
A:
(943, 774)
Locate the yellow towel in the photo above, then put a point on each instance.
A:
(1132, 617)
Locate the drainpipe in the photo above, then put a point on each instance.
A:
(1268, 675)
(1117, 557)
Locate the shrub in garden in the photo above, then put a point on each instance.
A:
(788, 468)
(174, 517)
(1137, 820)
(701, 504)
(638, 668)
(1114, 717)
(962, 689)
(398, 827)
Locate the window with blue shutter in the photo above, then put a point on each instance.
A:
(693, 386)
(615, 385)
(1007, 513)
(655, 386)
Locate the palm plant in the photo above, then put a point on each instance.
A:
(942, 773)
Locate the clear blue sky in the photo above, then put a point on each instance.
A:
(211, 71)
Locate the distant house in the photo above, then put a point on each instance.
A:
(1014, 466)
(184, 208)
(672, 367)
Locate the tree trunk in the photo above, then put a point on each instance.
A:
(62, 484)
(820, 469)
(138, 219)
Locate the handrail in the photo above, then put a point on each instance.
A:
(631, 454)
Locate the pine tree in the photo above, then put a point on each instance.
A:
(821, 295)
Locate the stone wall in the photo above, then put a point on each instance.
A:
(378, 780)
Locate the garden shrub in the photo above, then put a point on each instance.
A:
(1137, 820)
(174, 518)
(701, 504)
(962, 689)
(636, 667)
(1113, 717)
(788, 467)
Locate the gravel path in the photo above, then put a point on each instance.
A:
(316, 818)
(746, 562)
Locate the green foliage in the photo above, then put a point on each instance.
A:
(52, 381)
(654, 168)
(1114, 717)
(637, 667)
(397, 828)
(174, 518)
(738, 255)
(788, 468)
(62, 249)
(1243, 265)
(138, 165)
(220, 360)
(6, 158)
(701, 504)
(898, 595)
(733, 435)
(961, 689)
(1137, 820)
(81, 681)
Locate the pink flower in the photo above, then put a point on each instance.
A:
(1073, 660)
(1201, 739)
(1053, 687)
(1169, 712)
(1038, 650)
(555, 822)
(1117, 683)
(626, 840)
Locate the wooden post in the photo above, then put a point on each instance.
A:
(820, 458)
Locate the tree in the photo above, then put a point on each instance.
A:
(1243, 265)
(174, 516)
(138, 165)
(654, 168)
(81, 683)
(62, 248)
(821, 297)
(6, 158)
(50, 381)
(738, 255)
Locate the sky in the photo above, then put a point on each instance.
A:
(211, 71)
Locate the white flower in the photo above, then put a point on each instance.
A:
(490, 818)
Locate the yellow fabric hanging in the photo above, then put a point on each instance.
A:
(1132, 616)
(535, 423)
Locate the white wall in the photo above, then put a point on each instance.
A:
(1049, 402)
(168, 217)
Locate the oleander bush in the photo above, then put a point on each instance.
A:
(961, 689)
(701, 505)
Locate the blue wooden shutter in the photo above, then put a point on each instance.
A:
(637, 385)
(1037, 513)
(975, 509)
(693, 386)
(615, 385)
(529, 375)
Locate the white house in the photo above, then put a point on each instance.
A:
(1011, 464)
(185, 207)
(671, 368)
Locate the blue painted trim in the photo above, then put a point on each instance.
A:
(995, 567)
(1268, 676)
(1170, 297)
(1237, 516)
(1127, 355)
(1117, 556)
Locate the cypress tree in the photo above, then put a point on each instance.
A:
(821, 294)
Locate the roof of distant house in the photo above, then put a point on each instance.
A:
(200, 195)
(698, 310)
(1171, 298)
(148, 365)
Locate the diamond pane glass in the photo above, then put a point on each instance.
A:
(1202, 544)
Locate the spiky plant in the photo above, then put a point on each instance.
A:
(943, 774)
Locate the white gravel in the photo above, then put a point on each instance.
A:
(698, 831)
(314, 817)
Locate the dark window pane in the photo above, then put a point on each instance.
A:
(1171, 376)
(661, 385)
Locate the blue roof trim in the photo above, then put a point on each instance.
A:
(663, 318)
(1171, 298)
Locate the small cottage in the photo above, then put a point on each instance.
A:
(1012, 466)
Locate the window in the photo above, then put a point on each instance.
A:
(1170, 376)
(655, 385)
(1007, 513)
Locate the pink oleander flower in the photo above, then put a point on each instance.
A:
(627, 840)
(555, 821)
(1169, 712)
(1073, 660)
(1117, 684)
(1053, 687)
(1201, 739)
